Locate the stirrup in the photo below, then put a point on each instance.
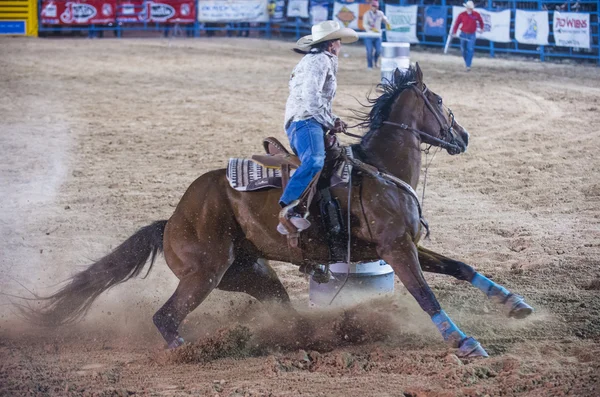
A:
(292, 225)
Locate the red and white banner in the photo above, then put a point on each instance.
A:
(571, 29)
(164, 11)
(78, 12)
(103, 12)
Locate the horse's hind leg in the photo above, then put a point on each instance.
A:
(256, 278)
(190, 292)
(199, 262)
(513, 304)
(403, 256)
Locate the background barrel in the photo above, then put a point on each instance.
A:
(394, 55)
(366, 280)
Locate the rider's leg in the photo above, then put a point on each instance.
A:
(306, 138)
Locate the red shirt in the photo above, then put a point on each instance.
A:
(468, 21)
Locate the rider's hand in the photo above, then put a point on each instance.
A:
(339, 126)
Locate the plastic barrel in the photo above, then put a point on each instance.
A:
(394, 55)
(366, 280)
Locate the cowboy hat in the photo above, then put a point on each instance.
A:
(469, 4)
(327, 30)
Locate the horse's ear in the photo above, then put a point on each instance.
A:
(418, 74)
(397, 74)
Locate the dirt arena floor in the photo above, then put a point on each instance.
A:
(101, 137)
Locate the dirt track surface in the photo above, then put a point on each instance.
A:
(101, 137)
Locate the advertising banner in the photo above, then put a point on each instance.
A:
(350, 13)
(319, 11)
(496, 24)
(79, 12)
(403, 21)
(571, 29)
(532, 27)
(233, 11)
(435, 21)
(277, 10)
(163, 11)
(297, 8)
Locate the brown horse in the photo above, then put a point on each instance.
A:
(222, 238)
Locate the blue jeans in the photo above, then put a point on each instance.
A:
(371, 43)
(307, 140)
(467, 47)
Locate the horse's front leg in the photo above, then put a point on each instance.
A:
(514, 305)
(401, 253)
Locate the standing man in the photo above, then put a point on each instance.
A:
(468, 20)
(372, 23)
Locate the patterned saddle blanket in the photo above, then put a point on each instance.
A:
(246, 175)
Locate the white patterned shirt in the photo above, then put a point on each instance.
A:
(312, 87)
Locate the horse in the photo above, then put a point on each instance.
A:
(221, 238)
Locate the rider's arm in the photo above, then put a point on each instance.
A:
(312, 91)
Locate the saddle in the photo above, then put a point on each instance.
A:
(278, 157)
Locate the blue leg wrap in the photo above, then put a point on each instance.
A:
(493, 291)
(448, 329)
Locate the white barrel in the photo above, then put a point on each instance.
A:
(366, 280)
(394, 55)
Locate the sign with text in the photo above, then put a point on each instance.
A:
(78, 12)
(532, 27)
(233, 11)
(319, 11)
(350, 13)
(403, 21)
(162, 11)
(571, 29)
(297, 8)
(435, 21)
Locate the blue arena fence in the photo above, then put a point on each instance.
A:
(297, 27)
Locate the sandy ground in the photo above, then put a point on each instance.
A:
(101, 137)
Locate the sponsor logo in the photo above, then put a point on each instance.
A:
(157, 12)
(487, 22)
(184, 10)
(437, 23)
(570, 22)
(127, 9)
(346, 16)
(106, 10)
(532, 29)
(401, 23)
(78, 13)
(50, 10)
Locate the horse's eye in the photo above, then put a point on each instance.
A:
(440, 101)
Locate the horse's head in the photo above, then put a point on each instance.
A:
(434, 122)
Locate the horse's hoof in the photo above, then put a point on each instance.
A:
(175, 343)
(516, 307)
(470, 348)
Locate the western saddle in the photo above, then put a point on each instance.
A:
(277, 156)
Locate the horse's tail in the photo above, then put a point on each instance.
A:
(73, 301)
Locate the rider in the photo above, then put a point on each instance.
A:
(308, 109)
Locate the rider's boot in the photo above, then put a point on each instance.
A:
(296, 219)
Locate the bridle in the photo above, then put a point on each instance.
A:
(447, 133)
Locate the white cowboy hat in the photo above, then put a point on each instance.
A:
(469, 4)
(327, 30)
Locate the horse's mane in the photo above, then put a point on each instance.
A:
(382, 105)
